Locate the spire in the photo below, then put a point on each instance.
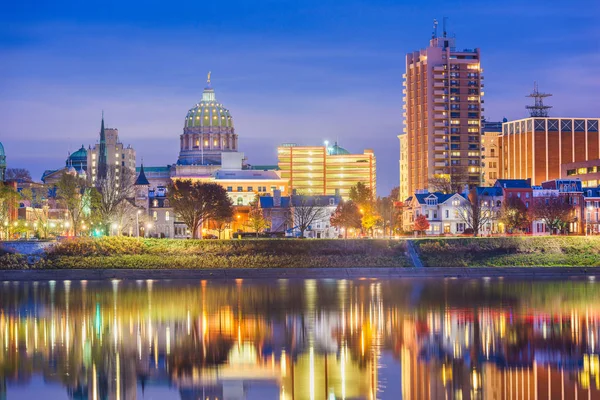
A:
(141, 179)
(208, 79)
(209, 93)
(102, 152)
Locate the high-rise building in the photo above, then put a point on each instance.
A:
(537, 147)
(109, 152)
(490, 149)
(442, 110)
(325, 170)
(404, 193)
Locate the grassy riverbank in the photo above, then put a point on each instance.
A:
(549, 251)
(197, 254)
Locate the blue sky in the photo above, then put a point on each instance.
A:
(289, 71)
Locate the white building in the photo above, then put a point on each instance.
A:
(441, 210)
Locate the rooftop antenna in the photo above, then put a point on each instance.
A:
(444, 25)
(538, 109)
(435, 25)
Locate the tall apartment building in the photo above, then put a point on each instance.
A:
(537, 147)
(325, 170)
(403, 192)
(109, 152)
(490, 149)
(442, 111)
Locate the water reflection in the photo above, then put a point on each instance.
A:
(313, 339)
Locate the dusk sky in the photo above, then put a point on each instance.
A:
(297, 71)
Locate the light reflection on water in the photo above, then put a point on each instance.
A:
(311, 339)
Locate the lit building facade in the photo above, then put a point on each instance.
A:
(107, 153)
(404, 193)
(537, 147)
(587, 171)
(442, 112)
(490, 149)
(325, 170)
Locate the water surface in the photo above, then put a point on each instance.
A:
(300, 339)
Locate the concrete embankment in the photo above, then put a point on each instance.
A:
(512, 273)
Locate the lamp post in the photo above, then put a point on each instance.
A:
(137, 223)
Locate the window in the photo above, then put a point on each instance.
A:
(240, 189)
(240, 201)
(519, 195)
(155, 203)
(331, 201)
(167, 216)
(250, 189)
(229, 188)
(155, 215)
(447, 214)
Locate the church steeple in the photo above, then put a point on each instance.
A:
(102, 152)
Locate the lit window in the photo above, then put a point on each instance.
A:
(167, 216)
(155, 215)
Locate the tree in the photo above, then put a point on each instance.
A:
(8, 202)
(448, 184)
(346, 216)
(114, 190)
(370, 218)
(361, 194)
(37, 197)
(421, 224)
(475, 212)
(304, 212)
(514, 214)
(76, 197)
(256, 219)
(555, 212)
(387, 208)
(18, 174)
(197, 202)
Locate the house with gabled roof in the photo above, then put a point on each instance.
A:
(441, 210)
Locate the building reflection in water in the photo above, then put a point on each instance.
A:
(295, 340)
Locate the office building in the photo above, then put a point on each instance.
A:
(325, 170)
(490, 163)
(537, 147)
(442, 111)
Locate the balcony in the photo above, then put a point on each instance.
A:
(440, 108)
(439, 124)
(441, 131)
(440, 99)
(439, 84)
(441, 148)
(439, 68)
(440, 92)
(441, 164)
(440, 116)
(440, 140)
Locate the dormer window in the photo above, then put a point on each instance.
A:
(431, 201)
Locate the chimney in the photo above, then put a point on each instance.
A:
(277, 198)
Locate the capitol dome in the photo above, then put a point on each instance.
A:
(207, 132)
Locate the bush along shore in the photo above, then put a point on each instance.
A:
(540, 251)
(123, 252)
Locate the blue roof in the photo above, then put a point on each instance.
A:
(494, 191)
(441, 197)
(513, 183)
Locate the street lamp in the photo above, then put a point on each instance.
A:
(137, 223)
(149, 226)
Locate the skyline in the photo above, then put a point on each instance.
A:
(287, 72)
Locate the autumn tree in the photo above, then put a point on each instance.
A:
(555, 212)
(370, 218)
(305, 211)
(387, 208)
(18, 174)
(197, 202)
(37, 197)
(475, 212)
(8, 202)
(514, 214)
(74, 195)
(256, 219)
(346, 216)
(421, 224)
(361, 194)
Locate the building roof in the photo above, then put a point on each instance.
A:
(80, 154)
(165, 169)
(2, 150)
(264, 167)
(441, 197)
(336, 150)
(492, 191)
(513, 183)
(141, 179)
(208, 112)
(591, 192)
(246, 174)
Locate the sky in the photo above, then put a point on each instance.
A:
(290, 71)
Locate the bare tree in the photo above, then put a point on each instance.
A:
(305, 211)
(452, 183)
(76, 197)
(555, 212)
(37, 197)
(18, 174)
(114, 189)
(476, 212)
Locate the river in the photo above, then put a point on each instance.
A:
(300, 339)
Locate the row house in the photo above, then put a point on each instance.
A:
(571, 192)
(591, 207)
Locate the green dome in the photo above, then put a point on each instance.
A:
(208, 113)
(336, 150)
